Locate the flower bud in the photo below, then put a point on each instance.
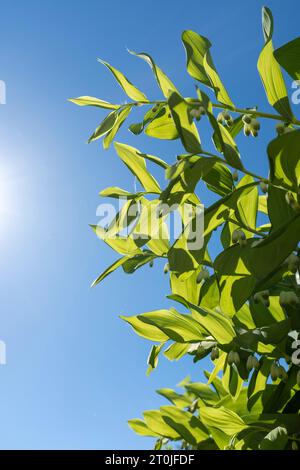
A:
(236, 358)
(203, 275)
(227, 116)
(255, 124)
(247, 130)
(282, 374)
(220, 118)
(293, 263)
(215, 353)
(151, 264)
(294, 445)
(289, 197)
(235, 175)
(254, 133)
(263, 187)
(249, 364)
(274, 370)
(246, 119)
(202, 110)
(230, 358)
(289, 299)
(166, 268)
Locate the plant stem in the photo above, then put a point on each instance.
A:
(253, 112)
(249, 229)
(244, 170)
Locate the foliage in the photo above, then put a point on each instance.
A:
(242, 307)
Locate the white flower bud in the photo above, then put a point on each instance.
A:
(166, 268)
(247, 130)
(247, 119)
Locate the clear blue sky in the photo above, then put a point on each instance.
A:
(75, 372)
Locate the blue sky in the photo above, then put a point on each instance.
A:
(75, 372)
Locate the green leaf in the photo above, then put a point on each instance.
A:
(132, 91)
(110, 270)
(140, 427)
(288, 56)
(196, 47)
(176, 351)
(203, 391)
(162, 126)
(117, 193)
(270, 71)
(147, 330)
(153, 357)
(151, 114)
(225, 143)
(121, 117)
(284, 160)
(216, 324)
(182, 401)
(106, 125)
(275, 439)
(278, 209)
(220, 90)
(219, 364)
(185, 126)
(178, 327)
(137, 165)
(91, 101)
(137, 261)
(155, 422)
(163, 81)
(215, 214)
(188, 426)
(222, 418)
(247, 205)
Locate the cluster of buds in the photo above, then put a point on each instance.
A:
(293, 263)
(197, 113)
(283, 128)
(203, 275)
(238, 236)
(289, 299)
(215, 353)
(233, 358)
(262, 297)
(225, 117)
(252, 363)
(290, 199)
(278, 372)
(251, 125)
